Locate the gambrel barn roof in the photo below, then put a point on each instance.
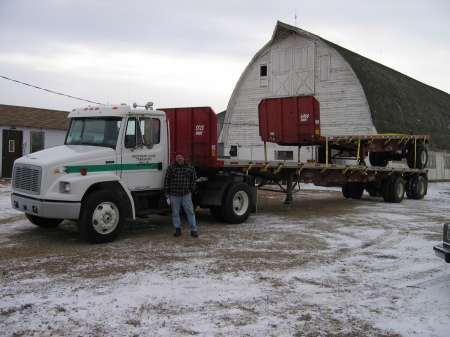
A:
(397, 103)
(19, 116)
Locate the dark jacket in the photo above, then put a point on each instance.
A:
(180, 179)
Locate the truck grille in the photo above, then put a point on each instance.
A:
(27, 178)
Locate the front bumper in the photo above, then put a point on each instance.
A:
(442, 252)
(46, 208)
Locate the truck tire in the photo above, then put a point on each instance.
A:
(379, 158)
(102, 217)
(419, 187)
(421, 157)
(385, 188)
(237, 203)
(346, 190)
(355, 190)
(396, 190)
(43, 222)
(408, 188)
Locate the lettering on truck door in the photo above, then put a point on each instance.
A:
(143, 154)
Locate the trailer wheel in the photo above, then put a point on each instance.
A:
(43, 222)
(385, 188)
(356, 190)
(237, 203)
(408, 188)
(346, 190)
(419, 187)
(396, 190)
(102, 217)
(379, 158)
(421, 157)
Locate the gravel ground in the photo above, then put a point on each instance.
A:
(321, 266)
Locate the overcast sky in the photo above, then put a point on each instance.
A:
(192, 52)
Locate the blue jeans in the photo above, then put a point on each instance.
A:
(186, 202)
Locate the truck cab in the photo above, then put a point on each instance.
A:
(111, 156)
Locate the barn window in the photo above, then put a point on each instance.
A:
(284, 155)
(431, 162)
(447, 162)
(263, 70)
(37, 141)
(324, 68)
(263, 75)
(233, 151)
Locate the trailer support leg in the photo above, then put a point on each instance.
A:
(289, 187)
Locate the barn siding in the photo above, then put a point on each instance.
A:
(344, 109)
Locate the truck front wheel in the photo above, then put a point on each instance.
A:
(102, 217)
(237, 203)
(43, 222)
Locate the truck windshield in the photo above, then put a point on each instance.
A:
(94, 131)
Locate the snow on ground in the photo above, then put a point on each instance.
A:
(369, 271)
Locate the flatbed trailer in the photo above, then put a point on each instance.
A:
(390, 183)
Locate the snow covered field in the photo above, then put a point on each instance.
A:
(322, 266)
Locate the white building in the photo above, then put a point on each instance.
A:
(357, 96)
(26, 130)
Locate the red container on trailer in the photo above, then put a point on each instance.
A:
(194, 132)
(289, 120)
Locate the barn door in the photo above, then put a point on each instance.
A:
(281, 72)
(293, 68)
(303, 72)
(12, 149)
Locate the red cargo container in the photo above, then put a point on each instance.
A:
(289, 120)
(193, 131)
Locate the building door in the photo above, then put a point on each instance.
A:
(293, 68)
(12, 149)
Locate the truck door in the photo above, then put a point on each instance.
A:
(143, 154)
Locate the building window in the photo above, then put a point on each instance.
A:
(37, 141)
(263, 70)
(324, 68)
(284, 155)
(12, 146)
(431, 162)
(447, 162)
(263, 75)
(233, 151)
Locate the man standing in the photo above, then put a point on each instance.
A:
(178, 185)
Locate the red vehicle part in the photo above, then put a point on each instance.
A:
(193, 131)
(289, 120)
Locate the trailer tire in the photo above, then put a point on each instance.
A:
(43, 222)
(102, 217)
(356, 190)
(408, 188)
(385, 188)
(237, 203)
(346, 190)
(379, 158)
(421, 157)
(419, 187)
(396, 190)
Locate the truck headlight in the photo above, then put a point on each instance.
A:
(64, 187)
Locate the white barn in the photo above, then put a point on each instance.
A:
(357, 96)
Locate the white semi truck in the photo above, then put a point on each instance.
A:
(114, 158)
